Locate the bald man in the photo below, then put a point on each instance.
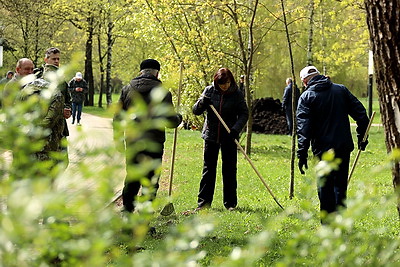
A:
(23, 68)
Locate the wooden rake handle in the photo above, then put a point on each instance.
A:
(171, 173)
(359, 150)
(245, 155)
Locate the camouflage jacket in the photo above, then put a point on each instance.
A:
(53, 119)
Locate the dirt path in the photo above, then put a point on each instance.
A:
(87, 145)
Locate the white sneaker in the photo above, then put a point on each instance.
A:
(79, 124)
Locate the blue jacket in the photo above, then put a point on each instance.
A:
(323, 117)
(287, 98)
(230, 105)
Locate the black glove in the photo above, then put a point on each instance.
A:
(180, 118)
(302, 163)
(234, 134)
(206, 100)
(362, 144)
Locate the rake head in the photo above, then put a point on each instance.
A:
(168, 209)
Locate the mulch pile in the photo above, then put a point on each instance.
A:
(268, 117)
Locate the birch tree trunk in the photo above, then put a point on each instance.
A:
(383, 18)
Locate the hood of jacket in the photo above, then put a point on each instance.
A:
(319, 83)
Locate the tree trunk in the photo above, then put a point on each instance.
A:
(310, 35)
(294, 105)
(248, 68)
(101, 65)
(89, 62)
(383, 18)
(109, 60)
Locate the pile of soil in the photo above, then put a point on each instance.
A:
(268, 116)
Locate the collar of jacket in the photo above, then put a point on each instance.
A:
(147, 76)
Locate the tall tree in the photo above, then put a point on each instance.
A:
(25, 27)
(310, 34)
(383, 18)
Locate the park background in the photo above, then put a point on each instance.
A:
(108, 40)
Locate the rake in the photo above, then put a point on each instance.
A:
(169, 208)
(245, 155)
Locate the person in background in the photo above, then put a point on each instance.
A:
(287, 103)
(323, 121)
(52, 118)
(8, 77)
(52, 57)
(23, 68)
(146, 147)
(78, 89)
(226, 97)
(241, 85)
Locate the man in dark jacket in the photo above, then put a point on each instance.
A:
(78, 89)
(150, 109)
(323, 121)
(287, 103)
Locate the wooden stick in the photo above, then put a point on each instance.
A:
(245, 155)
(359, 150)
(175, 133)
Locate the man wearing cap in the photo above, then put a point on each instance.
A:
(149, 110)
(323, 121)
(78, 89)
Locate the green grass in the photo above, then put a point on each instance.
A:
(264, 233)
(105, 112)
(256, 208)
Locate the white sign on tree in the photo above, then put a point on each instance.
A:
(1, 56)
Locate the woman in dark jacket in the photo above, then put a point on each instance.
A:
(224, 95)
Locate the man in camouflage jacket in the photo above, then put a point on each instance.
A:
(53, 117)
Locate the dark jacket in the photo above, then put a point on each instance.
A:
(230, 105)
(77, 96)
(287, 98)
(323, 117)
(140, 88)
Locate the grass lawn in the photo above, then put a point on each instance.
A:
(257, 209)
(259, 227)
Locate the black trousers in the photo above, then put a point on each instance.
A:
(332, 189)
(140, 166)
(289, 120)
(229, 169)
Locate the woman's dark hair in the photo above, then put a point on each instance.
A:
(222, 76)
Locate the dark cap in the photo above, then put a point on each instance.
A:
(150, 64)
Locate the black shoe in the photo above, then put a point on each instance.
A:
(73, 121)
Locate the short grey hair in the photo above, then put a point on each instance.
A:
(52, 50)
(153, 72)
